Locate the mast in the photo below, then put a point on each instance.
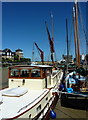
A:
(76, 37)
(51, 43)
(52, 23)
(33, 53)
(67, 44)
(52, 27)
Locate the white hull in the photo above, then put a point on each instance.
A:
(34, 103)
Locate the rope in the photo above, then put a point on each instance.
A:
(82, 25)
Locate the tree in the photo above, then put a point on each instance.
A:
(16, 57)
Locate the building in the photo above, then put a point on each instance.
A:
(19, 52)
(7, 53)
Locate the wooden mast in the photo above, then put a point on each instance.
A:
(52, 22)
(76, 37)
(51, 43)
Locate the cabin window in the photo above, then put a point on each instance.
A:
(24, 73)
(48, 72)
(44, 72)
(35, 73)
(14, 73)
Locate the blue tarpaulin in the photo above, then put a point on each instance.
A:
(69, 90)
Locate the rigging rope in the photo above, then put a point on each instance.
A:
(82, 25)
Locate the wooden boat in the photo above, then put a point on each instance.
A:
(30, 93)
(76, 88)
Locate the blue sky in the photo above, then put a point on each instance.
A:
(24, 22)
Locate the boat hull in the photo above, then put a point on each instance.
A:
(45, 113)
(47, 116)
(74, 101)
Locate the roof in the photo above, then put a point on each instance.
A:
(7, 50)
(18, 50)
(41, 65)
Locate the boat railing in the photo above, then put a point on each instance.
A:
(56, 78)
(57, 73)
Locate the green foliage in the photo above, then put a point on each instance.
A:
(16, 57)
(25, 59)
(15, 60)
(7, 60)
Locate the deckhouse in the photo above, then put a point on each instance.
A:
(32, 76)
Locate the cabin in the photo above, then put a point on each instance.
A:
(32, 76)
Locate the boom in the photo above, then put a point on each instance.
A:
(41, 53)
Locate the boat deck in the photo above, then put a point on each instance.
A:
(22, 103)
(69, 113)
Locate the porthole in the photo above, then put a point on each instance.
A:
(30, 116)
(38, 108)
(46, 98)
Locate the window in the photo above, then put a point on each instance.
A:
(24, 73)
(14, 73)
(44, 72)
(7, 53)
(35, 73)
(48, 72)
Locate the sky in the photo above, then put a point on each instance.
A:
(24, 22)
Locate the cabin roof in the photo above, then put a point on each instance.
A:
(41, 66)
(32, 65)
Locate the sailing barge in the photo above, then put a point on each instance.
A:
(76, 82)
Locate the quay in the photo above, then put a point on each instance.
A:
(69, 113)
